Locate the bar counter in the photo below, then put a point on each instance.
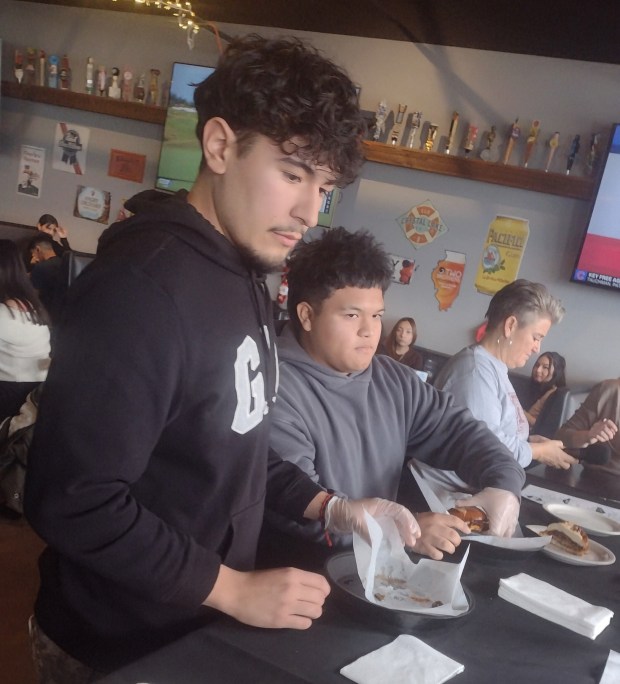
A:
(497, 641)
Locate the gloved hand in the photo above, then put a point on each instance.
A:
(344, 516)
(501, 507)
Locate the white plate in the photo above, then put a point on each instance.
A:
(597, 553)
(591, 521)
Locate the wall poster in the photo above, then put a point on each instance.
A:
(30, 171)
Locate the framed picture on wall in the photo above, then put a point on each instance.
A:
(326, 212)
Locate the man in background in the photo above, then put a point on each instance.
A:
(47, 275)
(149, 472)
(595, 424)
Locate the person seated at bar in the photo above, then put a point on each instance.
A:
(24, 334)
(48, 276)
(596, 421)
(49, 224)
(352, 419)
(398, 345)
(518, 318)
(548, 373)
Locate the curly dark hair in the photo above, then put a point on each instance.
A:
(15, 283)
(283, 88)
(337, 260)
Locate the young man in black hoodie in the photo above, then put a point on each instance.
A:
(149, 470)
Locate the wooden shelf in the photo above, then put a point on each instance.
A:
(577, 187)
(89, 103)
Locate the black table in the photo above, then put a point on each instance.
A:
(584, 482)
(497, 642)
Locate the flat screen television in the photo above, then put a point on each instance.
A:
(180, 154)
(598, 261)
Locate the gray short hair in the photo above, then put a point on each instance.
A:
(524, 300)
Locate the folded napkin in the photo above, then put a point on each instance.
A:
(611, 674)
(406, 660)
(551, 603)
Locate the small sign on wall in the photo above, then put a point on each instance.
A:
(402, 269)
(30, 175)
(92, 204)
(422, 224)
(70, 147)
(127, 165)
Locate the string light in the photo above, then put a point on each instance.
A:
(187, 19)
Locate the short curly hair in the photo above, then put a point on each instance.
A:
(282, 88)
(337, 260)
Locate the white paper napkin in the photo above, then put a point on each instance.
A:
(611, 674)
(406, 660)
(556, 605)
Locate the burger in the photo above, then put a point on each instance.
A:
(569, 537)
(475, 517)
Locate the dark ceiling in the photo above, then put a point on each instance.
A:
(569, 29)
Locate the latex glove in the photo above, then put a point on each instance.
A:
(501, 507)
(343, 516)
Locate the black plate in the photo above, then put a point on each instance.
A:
(347, 588)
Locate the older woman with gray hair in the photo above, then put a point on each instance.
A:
(518, 318)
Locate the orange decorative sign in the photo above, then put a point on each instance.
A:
(422, 224)
(447, 277)
(127, 165)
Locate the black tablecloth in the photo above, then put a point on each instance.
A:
(497, 642)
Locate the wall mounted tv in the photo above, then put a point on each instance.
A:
(180, 154)
(598, 261)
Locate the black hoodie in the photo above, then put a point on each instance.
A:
(149, 461)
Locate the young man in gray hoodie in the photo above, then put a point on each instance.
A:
(352, 419)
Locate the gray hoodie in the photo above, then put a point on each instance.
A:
(353, 433)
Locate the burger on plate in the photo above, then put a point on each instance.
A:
(475, 517)
(569, 537)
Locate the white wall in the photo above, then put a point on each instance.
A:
(484, 87)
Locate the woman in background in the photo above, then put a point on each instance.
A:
(518, 318)
(49, 224)
(399, 343)
(24, 333)
(548, 374)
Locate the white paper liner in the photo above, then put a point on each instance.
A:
(392, 580)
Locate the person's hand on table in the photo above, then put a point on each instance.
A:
(551, 452)
(601, 431)
(284, 597)
(501, 507)
(343, 516)
(439, 534)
